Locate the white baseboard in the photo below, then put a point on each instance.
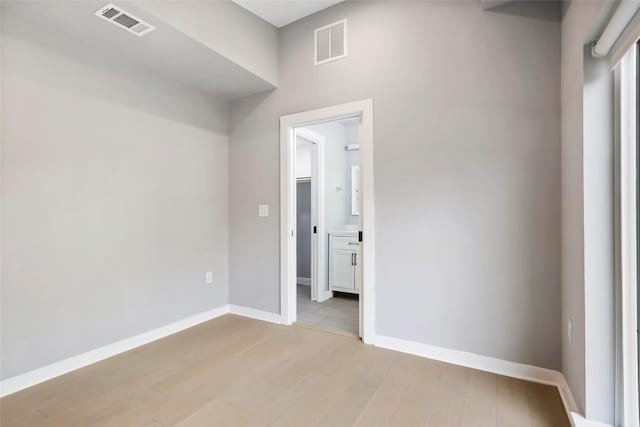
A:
(324, 295)
(484, 363)
(567, 398)
(254, 313)
(28, 379)
(471, 360)
(304, 281)
(578, 420)
(31, 378)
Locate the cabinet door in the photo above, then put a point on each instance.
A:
(342, 269)
(357, 270)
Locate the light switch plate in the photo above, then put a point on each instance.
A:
(209, 277)
(263, 211)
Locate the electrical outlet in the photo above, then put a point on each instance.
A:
(569, 331)
(263, 211)
(209, 277)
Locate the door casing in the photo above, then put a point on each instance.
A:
(363, 110)
(318, 245)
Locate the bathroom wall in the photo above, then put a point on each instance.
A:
(337, 174)
(353, 159)
(337, 181)
(303, 158)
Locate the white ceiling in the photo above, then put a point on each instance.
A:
(283, 12)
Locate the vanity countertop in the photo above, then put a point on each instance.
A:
(344, 233)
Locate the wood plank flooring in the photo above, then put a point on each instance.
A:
(234, 371)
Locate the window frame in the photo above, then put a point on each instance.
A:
(627, 227)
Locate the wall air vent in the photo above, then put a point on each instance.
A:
(330, 42)
(123, 19)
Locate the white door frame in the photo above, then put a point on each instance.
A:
(318, 245)
(364, 110)
(627, 257)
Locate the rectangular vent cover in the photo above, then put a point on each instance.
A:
(330, 42)
(123, 19)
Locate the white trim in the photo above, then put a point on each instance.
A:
(254, 313)
(364, 110)
(304, 281)
(615, 27)
(310, 135)
(627, 39)
(318, 244)
(45, 373)
(627, 239)
(568, 402)
(28, 379)
(315, 43)
(470, 360)
(483, 363)
(578, 420)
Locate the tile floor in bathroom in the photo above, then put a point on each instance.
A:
(338, 313)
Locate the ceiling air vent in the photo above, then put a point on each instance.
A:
(330, 42)
(123, 19)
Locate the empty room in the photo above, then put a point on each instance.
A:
(319, 212)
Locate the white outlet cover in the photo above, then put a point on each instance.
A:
(209, 277)
(263, 211)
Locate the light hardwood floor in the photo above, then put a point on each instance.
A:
(234, 371)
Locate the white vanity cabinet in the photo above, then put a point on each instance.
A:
(344, 262)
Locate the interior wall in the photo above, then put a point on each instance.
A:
(587, 204)
(303, 158)
(467, 171)
(337, 197)
(599, 239)
(114, 199)
(227, 28)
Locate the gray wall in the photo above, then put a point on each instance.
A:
(114, 199)
(587, 216)
(599, 239)
(226, 28)
(573, 38)
(303, 238)
(467, 144)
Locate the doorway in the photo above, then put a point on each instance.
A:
(341, 265)
(310, 213)
(328, 255)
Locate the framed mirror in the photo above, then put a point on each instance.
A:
(355, 190)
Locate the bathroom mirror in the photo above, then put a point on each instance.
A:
(355, 190)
